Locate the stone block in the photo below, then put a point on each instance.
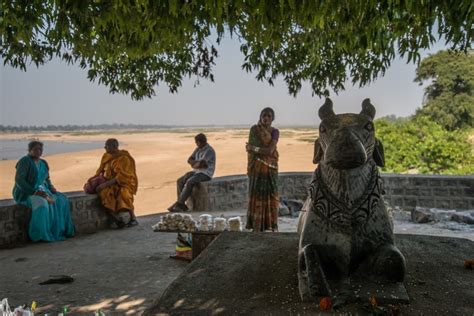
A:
(425, 202)
(90, 204)
(9, 226)
(398, 202)
(79, 205)
(424, 192)
(410, 202)
(213, 189)
(441, 192)
(419, 182)
(397, 191)
(466, 183)
(443, 203)
(446, 183)
(21, 213)
(460, 204)
(411, 191)
(456, 192)
(86, 214)
(469, 192)
(435, 182)
(199, 199)
(6, 214)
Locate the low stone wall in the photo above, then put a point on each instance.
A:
(446, 192)
(87, 214)
(449, 192)
(230, 193)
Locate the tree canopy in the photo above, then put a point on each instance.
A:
(449, 98)
(132, 46)
(423, 146)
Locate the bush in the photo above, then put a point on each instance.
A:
(423, 146)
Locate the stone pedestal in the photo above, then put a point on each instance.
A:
(199, 199)
(256, 274)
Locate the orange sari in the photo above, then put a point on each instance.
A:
(121, 167)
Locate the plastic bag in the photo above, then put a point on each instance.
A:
(184, 247)
(235, 224)
(5, 310)
(220, 224)
(205, 222)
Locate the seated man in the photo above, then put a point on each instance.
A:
(203, 162)
(116, 194)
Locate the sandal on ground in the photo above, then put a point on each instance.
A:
(132, 223)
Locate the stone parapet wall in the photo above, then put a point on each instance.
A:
(448, 192)
(87, 214)
(230, 193)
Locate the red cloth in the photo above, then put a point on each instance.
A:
(91, 185)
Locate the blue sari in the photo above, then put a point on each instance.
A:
(49, 221)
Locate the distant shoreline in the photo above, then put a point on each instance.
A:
(160, 158)
(6, 130)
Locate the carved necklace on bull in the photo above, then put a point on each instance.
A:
(335, 209)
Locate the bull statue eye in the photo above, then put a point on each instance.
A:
(322, 129)
(369, 126)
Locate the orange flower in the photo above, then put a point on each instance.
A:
(373, 301)
(325, 303)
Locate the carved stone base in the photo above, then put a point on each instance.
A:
(355, 290)
(199, 199)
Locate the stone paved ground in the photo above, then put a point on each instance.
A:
(256, 274)
(118, 271)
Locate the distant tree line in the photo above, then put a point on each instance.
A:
(68, 128)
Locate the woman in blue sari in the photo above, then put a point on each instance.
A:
(50, 211)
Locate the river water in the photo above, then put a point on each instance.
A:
(14, 149)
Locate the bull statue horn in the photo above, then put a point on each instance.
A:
(368, 109)
(326, 110)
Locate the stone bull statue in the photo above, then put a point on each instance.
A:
(344, 226)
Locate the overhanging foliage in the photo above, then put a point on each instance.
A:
(134, 45)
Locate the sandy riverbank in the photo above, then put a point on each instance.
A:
(160, 159)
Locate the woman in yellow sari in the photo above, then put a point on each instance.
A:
(116, 194)
(262, 170)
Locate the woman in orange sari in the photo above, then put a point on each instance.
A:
(262, 170)
(116, 194)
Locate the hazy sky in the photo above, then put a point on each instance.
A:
(60, 94)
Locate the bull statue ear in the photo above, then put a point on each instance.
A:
(379, 156)
(326, 110)
(368, 109)
(318, 152)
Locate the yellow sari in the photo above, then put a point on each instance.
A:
(121, 167)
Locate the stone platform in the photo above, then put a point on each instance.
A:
(246, 273)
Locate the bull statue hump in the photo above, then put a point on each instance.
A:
(344, 226)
